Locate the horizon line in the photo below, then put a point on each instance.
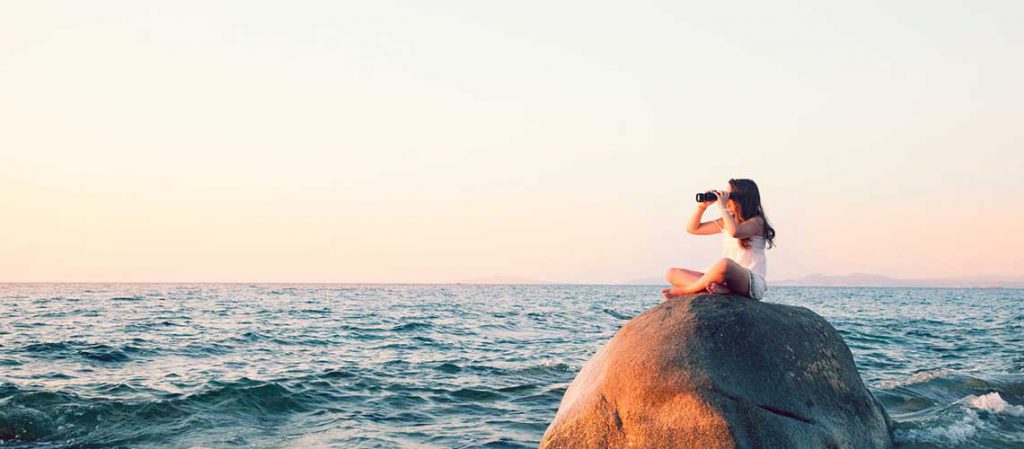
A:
(547, 284)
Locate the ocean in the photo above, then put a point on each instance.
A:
(436, 366)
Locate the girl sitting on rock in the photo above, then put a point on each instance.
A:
(746, 234)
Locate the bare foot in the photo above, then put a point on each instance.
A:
(716, 288)
(673, 292)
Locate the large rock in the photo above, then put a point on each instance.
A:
(714, 371)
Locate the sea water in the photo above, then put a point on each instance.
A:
(446, 366)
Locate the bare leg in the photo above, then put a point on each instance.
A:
(724, 271)
(681, 277)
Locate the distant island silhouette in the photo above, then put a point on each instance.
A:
(811, 280)
(875, 280)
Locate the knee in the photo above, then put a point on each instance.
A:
(721, 265)
(670, 273)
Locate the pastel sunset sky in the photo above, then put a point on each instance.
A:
(411, 141)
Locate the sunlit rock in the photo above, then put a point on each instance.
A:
(713, 371)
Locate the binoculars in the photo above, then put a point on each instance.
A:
(710, 196)
(706, 196)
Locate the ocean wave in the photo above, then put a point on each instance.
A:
(205, 349)
(958, 423)
(97, 352)
(30, 414)
(560, 366)
(411, 326)
(249, 337)
(246, 395)
(542, 369)
(150, 324)
(449, 368)
(23, 424)
(504, 326)
(993, 402)
(410, 366)
(916, 378)
(956, 432)
(617, 314)
(476, 394)
(505, 443)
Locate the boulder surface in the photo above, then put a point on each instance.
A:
(721, 371)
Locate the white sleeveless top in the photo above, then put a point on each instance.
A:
(752, 258)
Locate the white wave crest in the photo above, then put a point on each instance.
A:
(560, 365)
(993, 402)
(954, 433)
(916, 378)
(965, 428)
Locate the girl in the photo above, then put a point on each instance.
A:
(747, 234)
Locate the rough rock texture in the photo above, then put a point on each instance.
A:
(714, 371)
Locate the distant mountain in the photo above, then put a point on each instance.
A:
(503, 279)
(874, 280)
(811, 280)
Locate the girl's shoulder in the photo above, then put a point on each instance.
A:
(759, 220)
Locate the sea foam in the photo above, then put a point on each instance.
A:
(956, 432)
(916, 378)
(993, 402)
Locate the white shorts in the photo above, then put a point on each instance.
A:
(758, 286)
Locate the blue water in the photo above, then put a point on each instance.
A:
(297, 366)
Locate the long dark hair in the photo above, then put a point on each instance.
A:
(748, 200)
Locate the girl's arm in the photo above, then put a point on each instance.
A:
(705, 228)
(733, 229)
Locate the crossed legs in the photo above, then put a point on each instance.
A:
(725, 276)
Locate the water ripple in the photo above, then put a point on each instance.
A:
(269, 366)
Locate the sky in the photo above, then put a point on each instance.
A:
(442, 141)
